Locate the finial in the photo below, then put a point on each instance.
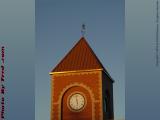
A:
(83, 30)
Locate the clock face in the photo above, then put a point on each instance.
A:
(76, 101)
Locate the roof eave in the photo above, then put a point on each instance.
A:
(112, 80)
(74, 71)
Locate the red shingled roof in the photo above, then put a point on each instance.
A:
(80, 57)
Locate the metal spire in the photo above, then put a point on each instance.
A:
(83, 30)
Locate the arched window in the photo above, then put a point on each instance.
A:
(105, 104)
(106, 101)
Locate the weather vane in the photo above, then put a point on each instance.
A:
(83, 30)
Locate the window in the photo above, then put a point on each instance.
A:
(105, 104)
(107, 101)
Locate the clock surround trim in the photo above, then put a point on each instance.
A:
(77, 92)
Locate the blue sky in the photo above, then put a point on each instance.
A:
(58, 26)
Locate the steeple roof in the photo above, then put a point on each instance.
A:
(80, 57)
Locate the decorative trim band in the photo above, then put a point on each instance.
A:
(51, 73)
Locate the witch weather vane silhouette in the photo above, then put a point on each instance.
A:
(83, 30)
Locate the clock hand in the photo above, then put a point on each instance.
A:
(77, 100)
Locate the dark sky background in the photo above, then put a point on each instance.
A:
(58, 26)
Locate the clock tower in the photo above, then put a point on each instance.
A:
(81, 88)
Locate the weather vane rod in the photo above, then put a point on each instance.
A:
(83, 30)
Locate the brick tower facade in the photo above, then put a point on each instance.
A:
(81, 88)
